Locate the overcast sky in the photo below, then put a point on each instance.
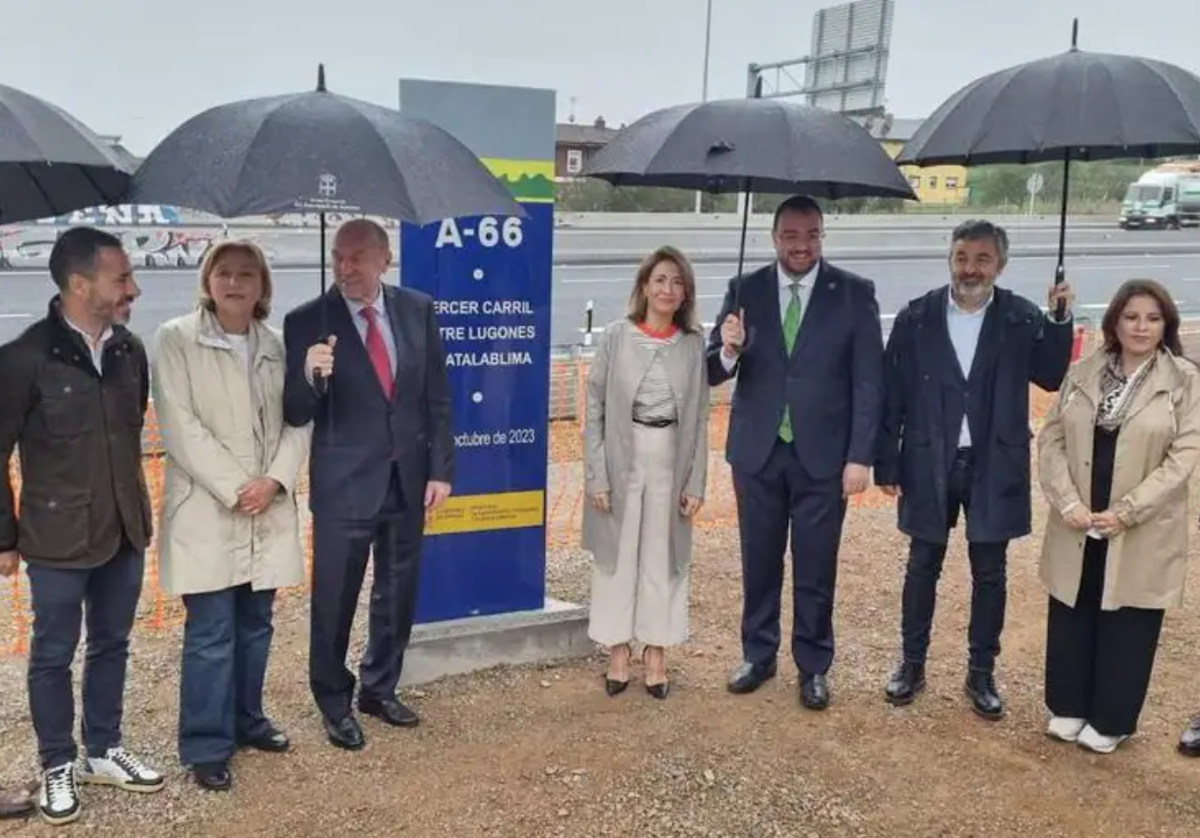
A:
(140, 67)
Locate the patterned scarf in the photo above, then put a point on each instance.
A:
(1118, 389)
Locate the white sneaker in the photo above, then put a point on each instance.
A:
(1093, 740)
(1065, 729)
(58, 799)
(121, 769)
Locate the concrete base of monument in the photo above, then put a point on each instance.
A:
(555, 632)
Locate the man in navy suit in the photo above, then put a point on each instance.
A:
(382, 455)
(804, 341)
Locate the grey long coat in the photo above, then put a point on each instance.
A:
(613, 380)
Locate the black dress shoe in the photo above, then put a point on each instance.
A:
(213, 776)
(814, 692)
(272, 741)
(390, 711)
(345, 734)
(906, 683)
(985, 701)
(749, 677)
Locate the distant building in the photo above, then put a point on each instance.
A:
(575, 144)
(938, 185)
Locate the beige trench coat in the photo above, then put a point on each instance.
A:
(1157, 450)
(612, 384)
(222, 426)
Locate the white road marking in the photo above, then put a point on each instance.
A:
(15, 315)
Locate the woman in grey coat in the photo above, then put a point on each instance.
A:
(646, 460)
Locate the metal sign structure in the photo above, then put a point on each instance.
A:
(847, 68)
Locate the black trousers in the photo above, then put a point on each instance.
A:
(989, 583)
(782, 495)
(1098, 663)
(340, 551)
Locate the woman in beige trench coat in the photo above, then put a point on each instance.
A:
(230, 532)
(1115, 455)
(646, 461)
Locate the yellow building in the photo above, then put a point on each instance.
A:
(934, 185)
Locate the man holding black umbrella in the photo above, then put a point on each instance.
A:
(382, 456)
(804, 340)
(955, 435)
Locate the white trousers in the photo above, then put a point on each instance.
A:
(640, 600)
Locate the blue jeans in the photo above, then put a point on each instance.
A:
(226, 643)
(59, 595)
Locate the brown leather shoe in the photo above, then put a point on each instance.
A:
(18, 802)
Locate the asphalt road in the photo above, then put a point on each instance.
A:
(166, 293)
(904, 236)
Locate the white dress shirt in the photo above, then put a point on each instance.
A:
(964, 328)
(95, 347)
(381, 318)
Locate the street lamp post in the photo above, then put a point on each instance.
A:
(704, 85)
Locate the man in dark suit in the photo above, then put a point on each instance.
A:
(956, 433)
(804, 341)
(382, 456)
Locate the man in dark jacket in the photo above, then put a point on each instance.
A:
(75, 387)
(802, 337)
(956, 434)
(382, 457)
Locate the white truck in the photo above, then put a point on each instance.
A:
(1167, 197)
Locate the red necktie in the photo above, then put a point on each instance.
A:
(377, 351)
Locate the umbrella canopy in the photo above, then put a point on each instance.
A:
(51, 163)
(318, 152)
(758, 145)
(1077, 105)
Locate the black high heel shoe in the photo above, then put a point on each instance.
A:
(659, 690)
(611, 685)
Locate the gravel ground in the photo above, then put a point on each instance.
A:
(540, 751)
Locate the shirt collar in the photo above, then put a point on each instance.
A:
(357, 306)
(804, 280)
(953, 308)
(105, 336)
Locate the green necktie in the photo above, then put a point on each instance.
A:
(791, 327)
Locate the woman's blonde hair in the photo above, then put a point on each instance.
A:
(262, 308)
(685, 315)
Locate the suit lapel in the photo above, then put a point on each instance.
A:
(403, 334)
(825, 287)
(763, 322)
(341, 323)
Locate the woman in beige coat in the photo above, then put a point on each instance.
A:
(230, 532)
(646, 460)
(1115, 456)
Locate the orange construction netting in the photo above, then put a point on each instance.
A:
(563, 510)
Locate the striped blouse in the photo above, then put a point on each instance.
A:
(655, 398)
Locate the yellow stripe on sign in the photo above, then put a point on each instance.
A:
(482, 513)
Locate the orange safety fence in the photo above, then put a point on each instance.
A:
(564, 505)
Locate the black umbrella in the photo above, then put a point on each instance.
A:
(318, 152)
(750, 145)
(1074, 106)
(51, 163)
